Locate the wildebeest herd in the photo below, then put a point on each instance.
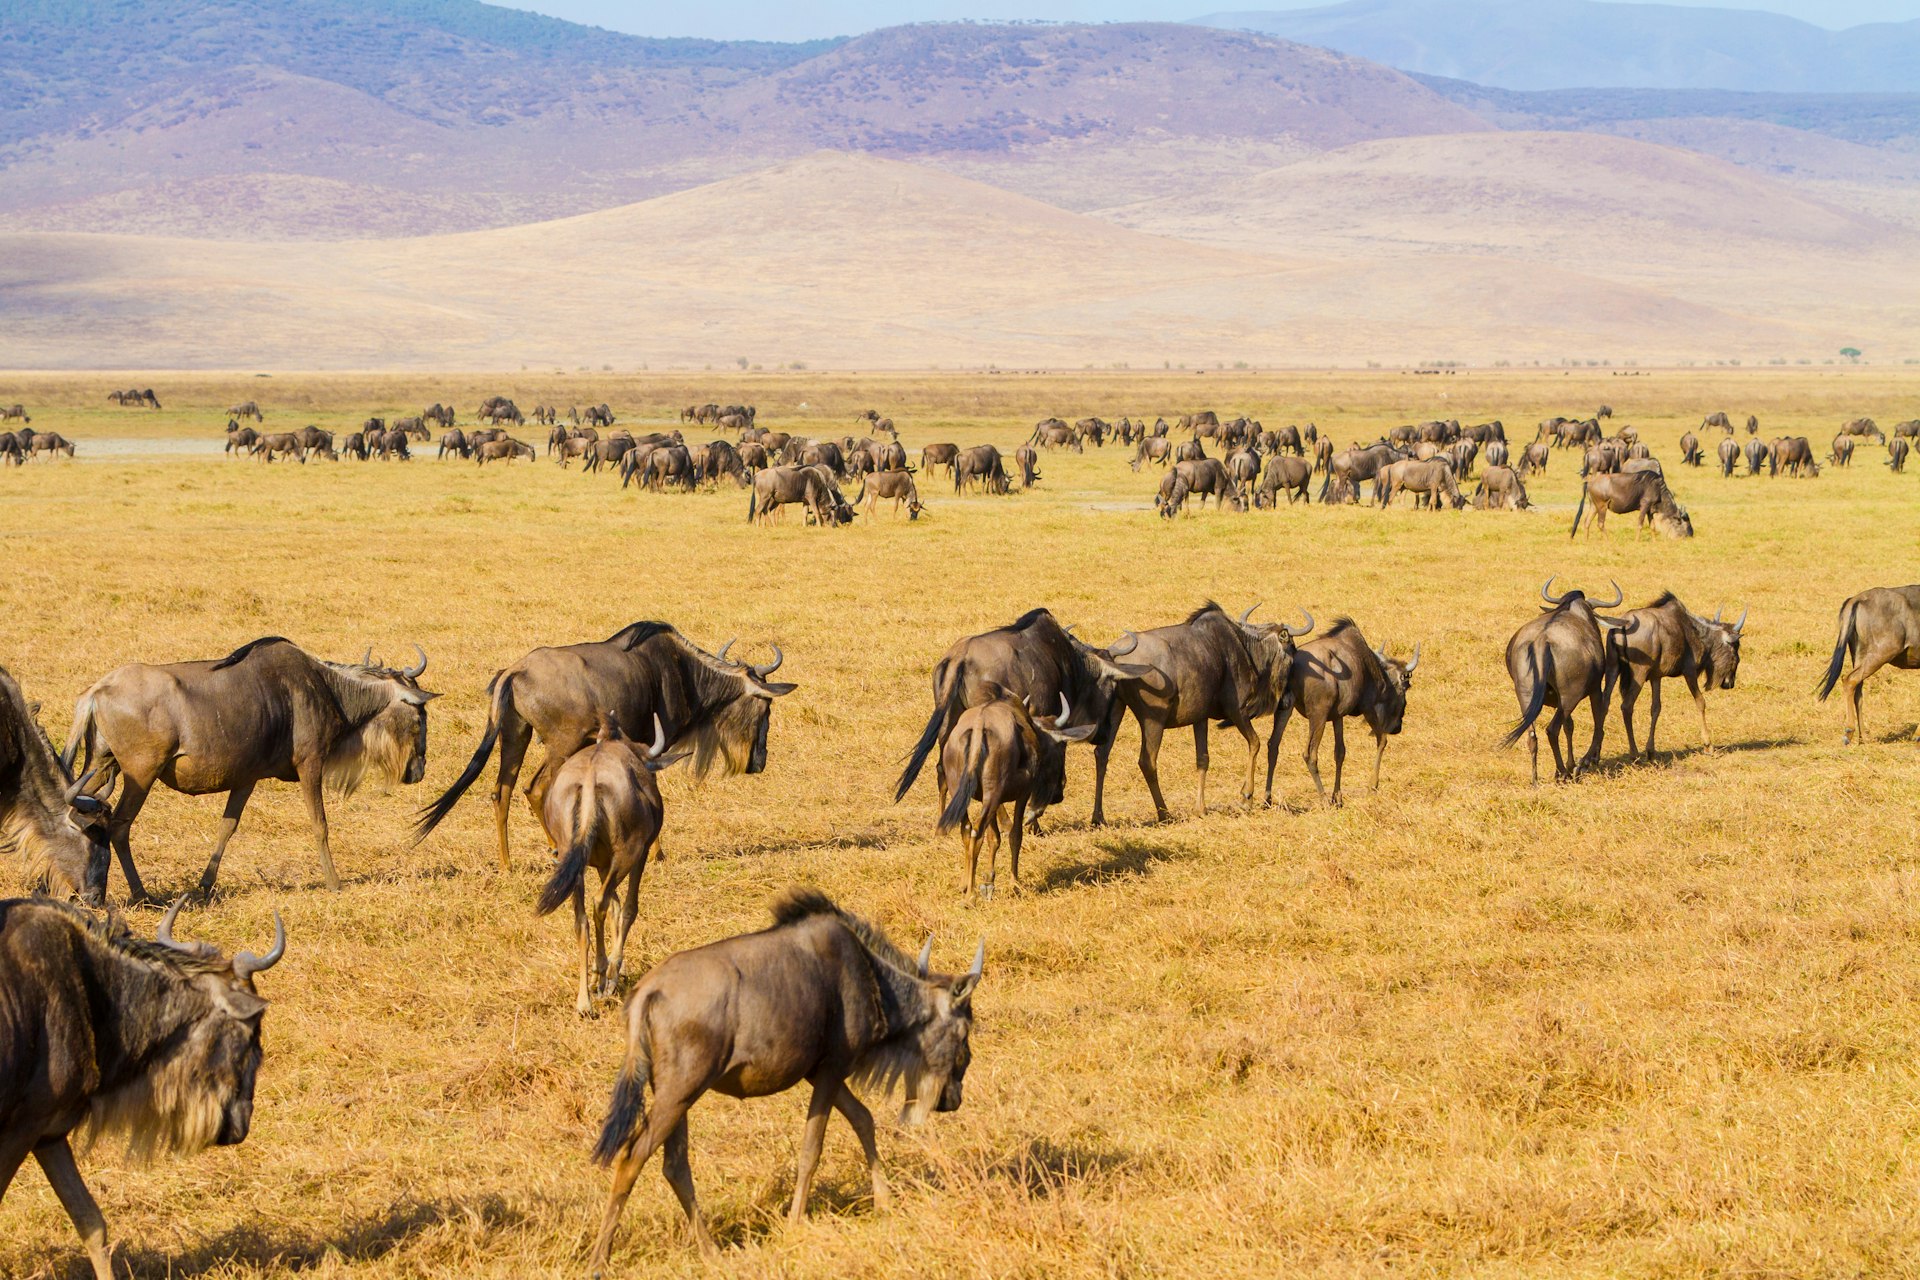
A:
(160, 1041)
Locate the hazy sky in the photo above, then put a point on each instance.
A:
(763, 20)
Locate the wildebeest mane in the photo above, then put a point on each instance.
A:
(239, 655)
(41, 781)
(798, 904)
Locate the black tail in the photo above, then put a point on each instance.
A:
(629, 1107)
(964, 789)
(1840, 643)
(1536, 699)
(1581, 506)
(944, 711)
(430, 817)
(753, 500)
(567, 877)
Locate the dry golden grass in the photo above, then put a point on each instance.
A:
(1659, 1022)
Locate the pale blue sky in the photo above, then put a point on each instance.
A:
(764, 20)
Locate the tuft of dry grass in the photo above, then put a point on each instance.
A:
(1659, 1022)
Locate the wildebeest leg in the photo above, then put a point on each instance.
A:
(1653, 712)
(819, 1110)
(629, 908)
(990, 825)
(1630, 694)
(583, 1002)
(1200, 759)
(1339, 755)
(1150, 734)
(229, 823)
(1864, 665)
(1102, 752)
(1013, 840)
(1315, 728)
(1700, 701)
(1599, 706)
(862, 1121)
(666, 1121)
(1560, 722)
(679, 1173)
(1245, 726)
(515, 735)
(1379, 752)
(311, 792)
(1281, 715)
(56, 1161)
(133, 795)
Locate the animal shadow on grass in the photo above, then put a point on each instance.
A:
(360, 1239)
(1122, 857)
(1040, 1166)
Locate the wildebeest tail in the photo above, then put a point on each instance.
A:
(430, 817)
(964, 789)
(628, 1109)
(1536, 699)
(80, 737)
(1578, 508)
(1840, 643)
(753, 500)
(944, 710)
(571, 873)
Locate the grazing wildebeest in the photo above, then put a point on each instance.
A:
(1879, 627)
(1664, 641)
(897, 485)
(1910, 429)
(1196, 421)
(1496, 453)
(981, 464)
(1288, 438)
(374, 428)
(1560, 660)
(568, 447)
(1244, 466)
(1323, 456)
(718, 458)
(1349, 468)
(504, 450)
(1792, 454)
(47, 442)
(1000, 753)
(454, 441)
(640, 671)
(1152, 449)
(1209, 667)
(312, 437)
(604, 811)
(482, 435)
(1285, 472)
(1432, 480)
(557, 441)
(1753, 426)
(247, 409)
(1604, 411)
(13, 411)
(1335, 677)
(823, 997)
(1690, 451)
(824, 453)
(11, 451)
(438, 413)
(1094, 429)
(1757, 454)
(1534, 458)
(1644, 493)
(266, 710)
(394, 444)
(809, 487)
(1863, 427)
(1206, 478)
(1500, 489)
(158, 1042)
(1055, 434)
(279, 444)
(1729, 455)
(753, 455)
(938, 455)
(1897, 454)
(1189, 451)
(56, 827)
(1035, 660)
(1842, 454)
(670, 464)
(354, 446)
(1717, 420)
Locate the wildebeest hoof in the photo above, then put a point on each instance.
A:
(986, 890)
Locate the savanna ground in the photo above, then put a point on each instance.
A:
(1661, 1021)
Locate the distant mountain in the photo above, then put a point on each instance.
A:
(1552, 44)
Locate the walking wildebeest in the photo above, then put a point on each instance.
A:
(938, 455)
(1209, 667)
(1335, 677)
(1285, 472)
(640, 671)
(1644, 493)
(279, 444)
(58, 829)
(1664, 641)
(454, 441)
(1717, 420)
(604, 811)
(1729, 455)
(1560, 660)
(897, 485)
(1879, 627)
(981, 464)
(821, 996)
(1501, 489)
(1842, 454)
(158, 1042)
(506, 450)
(266, 710)
(1897, 454)
(1000, 753)
(312, 437)
(1035, 660)
(247, 409)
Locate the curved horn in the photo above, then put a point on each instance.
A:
(1618, 596)
(164, 934)
(413, 672)
(1065, 711)
(979, 961)
(1249, 613)
(722, 655)
(366, 659)
(761, 673)
(659, 738)
(1416, 660)
(1716, 615)
(1306, 630)
(1128, 638)
(78, 787)
(1741, 623)
(926, 956)
(1546, 594)
(246, 964)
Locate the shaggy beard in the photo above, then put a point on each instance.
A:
(371, 749)
(165, 1112)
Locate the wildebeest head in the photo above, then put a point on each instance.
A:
(1670, 517)
(941, 1045)
(57, 825)
(388, 710)
(1391, 704)
(1053, 734)
(1271, 645)
(1721, 653)
(197, 1090)
(735, 736)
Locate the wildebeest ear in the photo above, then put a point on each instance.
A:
(773, 689)
(418, 697)
(657, 763)
(238, 1002)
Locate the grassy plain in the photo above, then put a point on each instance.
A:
(1659, 1022)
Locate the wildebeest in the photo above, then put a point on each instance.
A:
(981, 465)
(669, 464)
(604, 811)
(438, 413)
(11, 450)
(266, 710)
(1665, 641)
(1195, 421)
(454, 441)
(644, 669)
(1323, 456)
(1604, 411)
(1561, 659)
(1533, 458)
(1501, 489)
(279, 444)
(1206, 478)
(156, 1041)
(1793, 455)
(1028, 461)
(1347, 469)
(1209, 667)
(1052, 433)
(1910, 429)
(1000, 753)
(374, 428)
(1152, 449)
(47, 442)
(938, 455)
(1897, 454)
(1189, 451)
(1717, 420)
(1034, 659)
(1690, 451)
(1244, 466)
(1335, 677)
(1729, 455)
(53, 824)
(246, 409)
(13, 411)
(1753, 425)
(1879, 627)
(394, 444)
(1285, 472)
(312, 437)
(821, 996)
(1432, 480)
(1757, 455)
(1842, 454)
(1643, 493)
(1863, 427)
(505, 450)
(897, 485)
(810, 487)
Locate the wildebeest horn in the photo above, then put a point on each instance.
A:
(164, 934)
(78, 787)
(1548, 595)
(979, 961)
(1306, 630)
(1128, 638)
(246, 964)
(1416, 660)
(1741, 623)
(723, 648)
(1249, 613)
(1065, 711)
(761, 673)
(413, 672)
(366, 659)
(1618, 596)
(659, 738)
(926, 956)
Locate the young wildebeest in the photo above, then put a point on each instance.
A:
(999, 753)
(604, 811)
(1879, 627)
(52, 823)
(156, 1041)
(897, 485)
(640, 671)
(1644, 493)
(1210, 667)
(1662, 641)
(1334, 677)
(821, 996)
(1560, 660)
(266, 710)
